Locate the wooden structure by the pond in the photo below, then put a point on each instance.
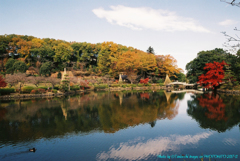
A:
(168, 83)
(184, 84)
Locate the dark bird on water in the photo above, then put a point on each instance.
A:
(32, 150)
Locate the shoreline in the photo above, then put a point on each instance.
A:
(49, 95)
(59, 94)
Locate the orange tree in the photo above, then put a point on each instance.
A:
(167, 65)
(129, 62)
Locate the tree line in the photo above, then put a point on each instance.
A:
(46, 55)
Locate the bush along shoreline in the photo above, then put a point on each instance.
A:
(42, 92)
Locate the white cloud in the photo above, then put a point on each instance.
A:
(141, 150)
(228, 22)
(148, 18)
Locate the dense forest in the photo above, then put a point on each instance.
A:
(46, 56)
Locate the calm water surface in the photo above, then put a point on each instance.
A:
(121, 126)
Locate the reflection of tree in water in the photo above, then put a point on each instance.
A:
(215, 107)
(84, 113)
(217, 112)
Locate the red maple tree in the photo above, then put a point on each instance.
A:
(2, 82)
(214, 76)
(144, 81)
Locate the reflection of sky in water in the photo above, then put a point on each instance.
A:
(183, 104)
(141, 149)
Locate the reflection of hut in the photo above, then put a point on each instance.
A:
(168, 95)
(120, 98)
(64, 113)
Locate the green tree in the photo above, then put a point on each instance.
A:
(4, 41)
(195, 67)
(108, 57)
(9, 66)
(46, 69)
(63, 52)
(20, 66)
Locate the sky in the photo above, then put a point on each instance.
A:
(181, 28)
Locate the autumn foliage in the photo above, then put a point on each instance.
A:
(144, 81)
(167, 65)
(214, 76)
(215, 107)
(2, 82)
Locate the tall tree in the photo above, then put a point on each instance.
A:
(129, 62)
(4, 41)
(167, 65)
(63, 52)
(150, 50)
(108, 57)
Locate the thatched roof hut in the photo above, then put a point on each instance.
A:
(167, 80)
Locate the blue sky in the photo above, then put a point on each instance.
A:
(180, 28)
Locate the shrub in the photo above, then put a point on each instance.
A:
(147, 84)
(160, 81)
(115, 85)
(144, 81)
(59, 75)
(41, 90)
(64, 87)
(101, 86)
(140, 85)
(56, 87)
(124, 86)
(43, 87)
(75, 87)
(54, 91)
(34, 91)
(6, 91)
(27, 89)
(161, 84)
(134, 85)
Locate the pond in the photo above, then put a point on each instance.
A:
(122, 126)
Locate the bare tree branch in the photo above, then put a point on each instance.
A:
(233, 43)
(232, 2)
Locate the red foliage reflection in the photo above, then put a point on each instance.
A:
(144, 95)
(215, 106)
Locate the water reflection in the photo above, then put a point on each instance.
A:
(141, 149)
(215, 111)
(86, 113)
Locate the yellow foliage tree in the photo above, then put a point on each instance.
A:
(148, 61)
(129, 62)
(167, 65)
(25, 47)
